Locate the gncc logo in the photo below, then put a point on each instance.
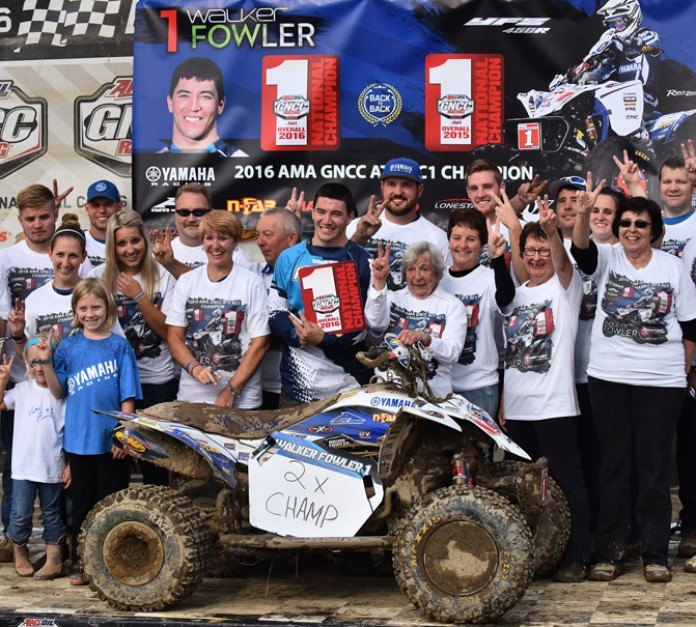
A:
(103, 125)
(23, 128)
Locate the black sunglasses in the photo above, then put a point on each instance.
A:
(198, 213)
(39, 362)
(639, 224)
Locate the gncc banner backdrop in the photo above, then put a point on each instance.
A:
(253, 99)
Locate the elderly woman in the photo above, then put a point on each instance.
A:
(218, 322)
(541, 407)
(421, 313)
(637, 378)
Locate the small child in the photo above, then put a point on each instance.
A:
(38, 465)
(96, 369)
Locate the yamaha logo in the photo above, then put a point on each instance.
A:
(23, 128)
(103, 122)
(174, 177)
(153, 174)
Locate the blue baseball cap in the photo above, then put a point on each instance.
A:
(404, 168)
(103, 189)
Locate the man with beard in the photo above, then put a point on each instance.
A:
(24, 267)
(396, 221)
(103, 201)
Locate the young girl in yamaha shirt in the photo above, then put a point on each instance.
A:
(142, 291)
(94, 369)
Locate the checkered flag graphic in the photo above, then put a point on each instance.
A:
(47, 18)
(60, 19)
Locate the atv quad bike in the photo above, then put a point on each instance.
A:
(384, 467)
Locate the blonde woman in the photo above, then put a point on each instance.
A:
(142, 290)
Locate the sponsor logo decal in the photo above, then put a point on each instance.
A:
(380, 103)
(103, 126)
(23, 128)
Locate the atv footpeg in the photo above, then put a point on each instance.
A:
(532, 491)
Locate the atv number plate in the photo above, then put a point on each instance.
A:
(529, 136)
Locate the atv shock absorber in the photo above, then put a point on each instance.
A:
(462, 473)
(591, 129)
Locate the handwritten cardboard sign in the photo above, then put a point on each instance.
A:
(331, 296)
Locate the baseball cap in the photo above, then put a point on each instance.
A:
(404, 168)
(573, 182)
(103, 189)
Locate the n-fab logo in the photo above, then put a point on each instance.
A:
(23, 128)
(103, 125)
(463, 101)
(299, 103)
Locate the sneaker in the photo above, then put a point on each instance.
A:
(657, 573)
(77, 578)
(6, 553)
(687, 546)
(571, 572)
(605, 571)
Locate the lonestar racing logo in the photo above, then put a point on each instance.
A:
(103, 126)
(23, 128)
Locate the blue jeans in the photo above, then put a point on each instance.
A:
(486, 398)
(6, 429)
(23, 497)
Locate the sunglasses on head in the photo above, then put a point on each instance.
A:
(639, 224)
(198, 213)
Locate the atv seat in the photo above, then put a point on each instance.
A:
(236, 423)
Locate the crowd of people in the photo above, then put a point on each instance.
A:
(575, 331)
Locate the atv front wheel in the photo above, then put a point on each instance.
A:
(144, 548)
(551, 529)
(464, 554)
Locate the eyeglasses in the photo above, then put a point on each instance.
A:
(39, 362)
(543, 252)
(198, 213)
(639, 224)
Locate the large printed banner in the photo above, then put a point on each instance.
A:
(254, 98)
(66, 87)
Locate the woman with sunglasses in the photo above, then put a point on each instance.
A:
(182, 253)
(142, 290)
(640, 352)
(540, 404)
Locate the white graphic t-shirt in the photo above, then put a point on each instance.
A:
(155, 363)
(678, 235)
(540, 326)
(636, 338)
(220, 318)
(477, 365)
(37, 440)
(440, 315)
(96, 249)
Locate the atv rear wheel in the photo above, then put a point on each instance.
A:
(144, 549)
(551, 529)
(601, 161)
(463, 555)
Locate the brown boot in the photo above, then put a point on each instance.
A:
(6, 553)
(53, 568)
(22, 564)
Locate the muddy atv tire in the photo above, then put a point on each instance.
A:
(463, 555)
(551, 530)
(144, 549)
